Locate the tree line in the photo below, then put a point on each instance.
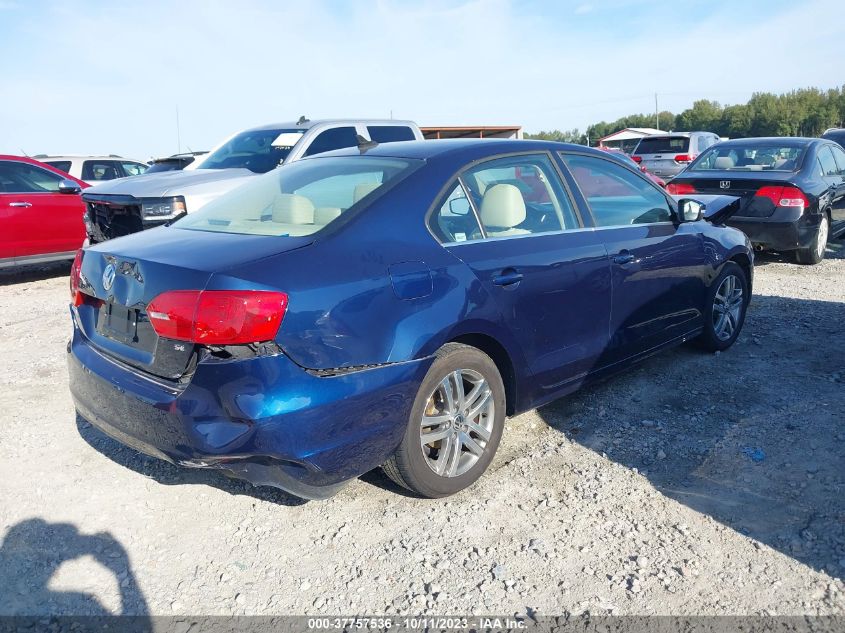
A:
(804, 112)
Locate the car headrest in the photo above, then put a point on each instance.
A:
(324, 215)
(289, 208)
(363, 189)
(502, 206)
(723, 162)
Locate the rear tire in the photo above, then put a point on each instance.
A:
(460, 408)
(814, 253)
(727, 302)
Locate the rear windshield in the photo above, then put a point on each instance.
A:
(663, 145)
(750, 157)
(300, 198)
(256, 150)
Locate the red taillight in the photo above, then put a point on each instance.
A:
(75, 274)
(684, 158)
(784, 196)
(218, 317)
(637, 159)
(680, 188)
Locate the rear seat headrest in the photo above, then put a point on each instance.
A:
(289, 208)
(363, 189)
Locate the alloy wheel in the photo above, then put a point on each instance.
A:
(727, 307)
(822, 237)
(457, 423)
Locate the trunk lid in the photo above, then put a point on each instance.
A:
(125, 274)
(738, 184)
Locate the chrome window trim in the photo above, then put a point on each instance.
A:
(579, 230)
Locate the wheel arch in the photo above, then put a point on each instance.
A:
(744, 261)
(500, 356)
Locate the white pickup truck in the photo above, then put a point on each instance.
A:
(129, 205)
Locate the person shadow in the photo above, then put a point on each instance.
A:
(31, 553)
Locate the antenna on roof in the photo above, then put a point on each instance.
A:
(24, 152)
(302, 120)
(364, 144)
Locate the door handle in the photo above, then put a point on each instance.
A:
(20, 204)
(623, 258)
(508, 277)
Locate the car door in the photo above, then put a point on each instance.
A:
(658, 265)
(836, 184)
(39, 218)
(513, 223)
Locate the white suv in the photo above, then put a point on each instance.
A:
(132, 205)
(95, 169)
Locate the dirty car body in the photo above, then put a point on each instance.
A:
(367, 279)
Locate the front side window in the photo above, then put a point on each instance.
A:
(454, 220)
(616, 196)
(18, 177)
(256, 150)
(99, 170)
(133, 169)
(519, 195)
(334, 138)
(300, 198)
(763, 156)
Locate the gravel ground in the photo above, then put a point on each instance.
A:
(695, 484)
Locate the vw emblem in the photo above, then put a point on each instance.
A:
(108, 277)
(724, 184)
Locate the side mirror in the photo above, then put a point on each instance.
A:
(69, 186)
(690, 210)
(459, 206)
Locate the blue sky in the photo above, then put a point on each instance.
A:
(107, 76)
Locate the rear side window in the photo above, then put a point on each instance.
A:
(61, 165)
(663, 145)
(828, 163)
(617, 196)
(334, 138)
(390, 133)
(97, 170)
(519, 195)
(300, 198)
(18, 177)
(839, 155)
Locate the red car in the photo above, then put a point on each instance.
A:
(40, 213)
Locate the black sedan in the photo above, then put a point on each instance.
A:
(792, 190)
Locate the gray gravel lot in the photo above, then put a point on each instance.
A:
(695, 484)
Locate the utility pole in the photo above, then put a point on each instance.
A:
(656, 113)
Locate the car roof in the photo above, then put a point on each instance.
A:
(756, 140)
(308, 124)
(462, 149)
(83, 156)
(676, 134)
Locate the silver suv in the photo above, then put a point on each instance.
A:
(134, 204)
(667, 155)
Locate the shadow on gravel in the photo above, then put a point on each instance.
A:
(34, 549)
(171, 475)
(753, 437)
(835, 250)
(39, 272)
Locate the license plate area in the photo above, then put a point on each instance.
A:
(118, 322)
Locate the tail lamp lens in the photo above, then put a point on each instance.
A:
(218, 317)
(684, 158)
(784, 196)
(637, 159)
(75, 274)
(680, 188)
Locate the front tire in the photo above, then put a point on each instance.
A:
(455, 426)
(727, 302)
(814, 253)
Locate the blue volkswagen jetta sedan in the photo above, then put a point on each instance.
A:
(389, 306)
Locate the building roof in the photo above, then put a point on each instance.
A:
(631, 133)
